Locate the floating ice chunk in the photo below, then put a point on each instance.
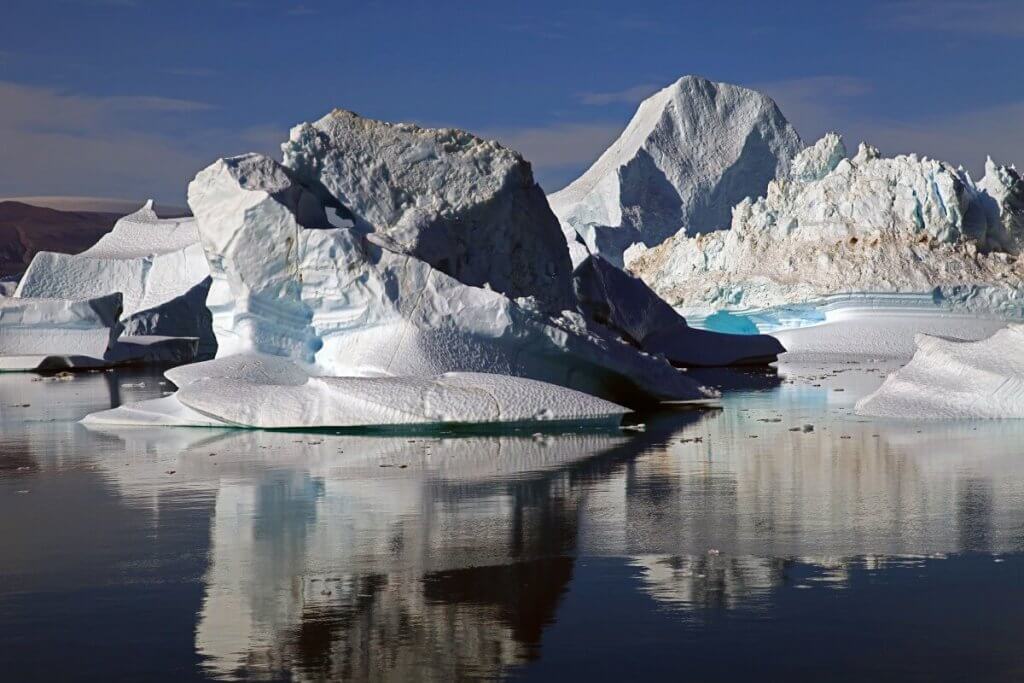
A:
(40, 327)
(948, 379)
(157, 265)
(691, 152)
(612, 297)
(269, 392)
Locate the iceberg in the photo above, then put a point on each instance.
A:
(298, 274)
(157, 265)
(856, 227)
(611, 297)
(35, 329)
(466, 206)
(952, 379)
(690, 153)
(269, 392)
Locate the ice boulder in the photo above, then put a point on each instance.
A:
(950, 379)
(867, 224)
(32, 329)
(467, 206)
(157, 265)
(690, 153)
(298, 274)
(270, 392)
(611, 297)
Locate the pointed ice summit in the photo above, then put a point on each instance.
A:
(691, 152)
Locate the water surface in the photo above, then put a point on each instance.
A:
(779, 536)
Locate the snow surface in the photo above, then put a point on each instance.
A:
(252, 390)
(467, 206)
(690, 153)
(949, 379)
(866, 224)
(158, 265)
(609, 296)
(43, 327)
(297, 275)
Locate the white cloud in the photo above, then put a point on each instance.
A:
(988, 17)
(820, 104)
(59, 143)
(631, 95)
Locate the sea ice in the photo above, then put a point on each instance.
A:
(690, 153)
(252, 390)
(949, 379)
(157, 265)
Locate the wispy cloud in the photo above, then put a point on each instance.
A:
(820, 104)
(300, 10)
(53, 142)
(989, 17)
(191, 71)
(631, 95)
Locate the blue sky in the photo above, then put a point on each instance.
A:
(129, 98)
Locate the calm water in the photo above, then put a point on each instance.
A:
(716, 545)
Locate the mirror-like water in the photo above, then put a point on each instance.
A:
(779, 536)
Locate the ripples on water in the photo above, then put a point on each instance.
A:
(723, 544)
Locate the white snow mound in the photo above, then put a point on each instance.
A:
(690, 153)
(297, 275)
(948, 379)
(269, 392)
(867, 224)
(156, 264)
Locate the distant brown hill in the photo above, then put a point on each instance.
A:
(26, 229)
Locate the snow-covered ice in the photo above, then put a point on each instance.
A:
(156, 264)
(252, 390)
(297, 274)
(690, 153)
(950, 379)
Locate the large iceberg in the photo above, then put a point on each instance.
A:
(690, 153)
(157, 265)
(297, 274)
(851, 226)
(269, 392)
(949, 379)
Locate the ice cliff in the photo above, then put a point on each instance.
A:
(34, 328)
(950, 379)
(156, 264)
(863, 224)
(690, 153)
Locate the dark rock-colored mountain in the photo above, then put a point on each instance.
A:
(27, 229)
